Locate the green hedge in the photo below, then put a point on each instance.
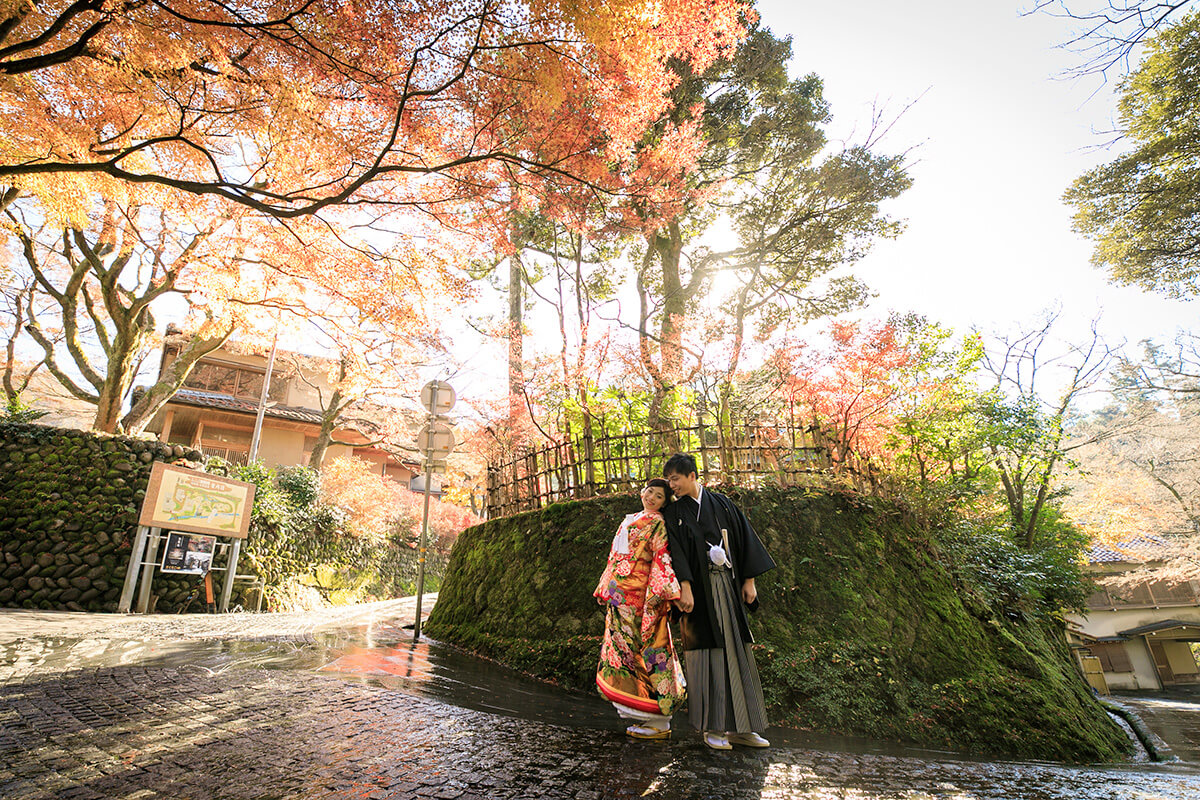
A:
(864, 628)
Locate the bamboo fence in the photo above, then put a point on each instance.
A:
(749, 456)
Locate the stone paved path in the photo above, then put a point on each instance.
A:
(137, 731)
(298, 626)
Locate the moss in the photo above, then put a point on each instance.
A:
(76, 495)
(862, 629)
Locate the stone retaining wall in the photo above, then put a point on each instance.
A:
(864, 627)
(69, 503)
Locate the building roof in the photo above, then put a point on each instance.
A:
(1136, 549)
(1162, 625)
(225, 402)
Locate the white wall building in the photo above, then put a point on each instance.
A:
(1142, 633)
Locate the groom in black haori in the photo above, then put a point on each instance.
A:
(716, 556)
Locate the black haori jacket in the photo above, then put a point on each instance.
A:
(689, 540)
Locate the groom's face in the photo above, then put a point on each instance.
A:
(682, 484)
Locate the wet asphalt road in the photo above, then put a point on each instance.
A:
(356, 710)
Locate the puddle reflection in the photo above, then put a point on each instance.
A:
(441, 672)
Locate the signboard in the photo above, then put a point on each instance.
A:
(438, 397)
(187, 554)
(181, 499)
(435, 440)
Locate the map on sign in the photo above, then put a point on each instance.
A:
(187, 500)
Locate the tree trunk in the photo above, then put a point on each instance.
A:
(119, 376)
(329, 417)
(516, 333)
(324, 438)
(668, 244)
(170, 380)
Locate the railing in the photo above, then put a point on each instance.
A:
(230, 455)
(749, 456)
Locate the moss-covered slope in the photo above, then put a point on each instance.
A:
(862, 628)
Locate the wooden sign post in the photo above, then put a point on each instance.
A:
(186, 500)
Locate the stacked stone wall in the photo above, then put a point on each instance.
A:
(69, 504)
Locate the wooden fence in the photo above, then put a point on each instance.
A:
(749, 456)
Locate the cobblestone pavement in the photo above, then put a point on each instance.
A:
(134, 732)
(298, 626)
(145, 727)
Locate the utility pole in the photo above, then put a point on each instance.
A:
(435, 441)
(235, 549)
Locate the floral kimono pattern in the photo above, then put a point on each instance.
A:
(638, 666)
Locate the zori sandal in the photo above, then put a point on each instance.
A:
(646, 732)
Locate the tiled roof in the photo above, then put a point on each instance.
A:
(1163, 625)
(1136, 550)
(226, 402)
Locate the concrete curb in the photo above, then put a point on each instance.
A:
(1156, 748)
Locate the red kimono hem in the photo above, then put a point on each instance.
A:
(632, 701)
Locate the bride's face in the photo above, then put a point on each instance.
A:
(653, 498)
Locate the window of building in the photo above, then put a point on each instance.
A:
(1146, 595)
(1113, 657)
(1136, 595)
(242, 382)
(1181, 593)
(231, 444)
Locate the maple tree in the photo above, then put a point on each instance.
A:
(289, 107)
(106, 279)
(100, 283)
(357, 394)
(375, 506)
(463, 112)
(848, 387)
(16, 375)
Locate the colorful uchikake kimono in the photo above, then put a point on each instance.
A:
(639, 671)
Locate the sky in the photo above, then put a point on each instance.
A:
(998, 136)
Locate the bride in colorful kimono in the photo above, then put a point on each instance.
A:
(639, 671)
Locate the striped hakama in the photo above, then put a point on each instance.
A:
(724, 691)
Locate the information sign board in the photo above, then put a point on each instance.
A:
(181, 499)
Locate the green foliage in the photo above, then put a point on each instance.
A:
(1014, 581)
(868, 626)
(295, 538)
(16, 410)
(301, 484)
(1142, 208)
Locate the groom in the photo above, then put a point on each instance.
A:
(716, 555)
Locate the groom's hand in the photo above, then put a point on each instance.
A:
(685, 601)
(749, 593)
